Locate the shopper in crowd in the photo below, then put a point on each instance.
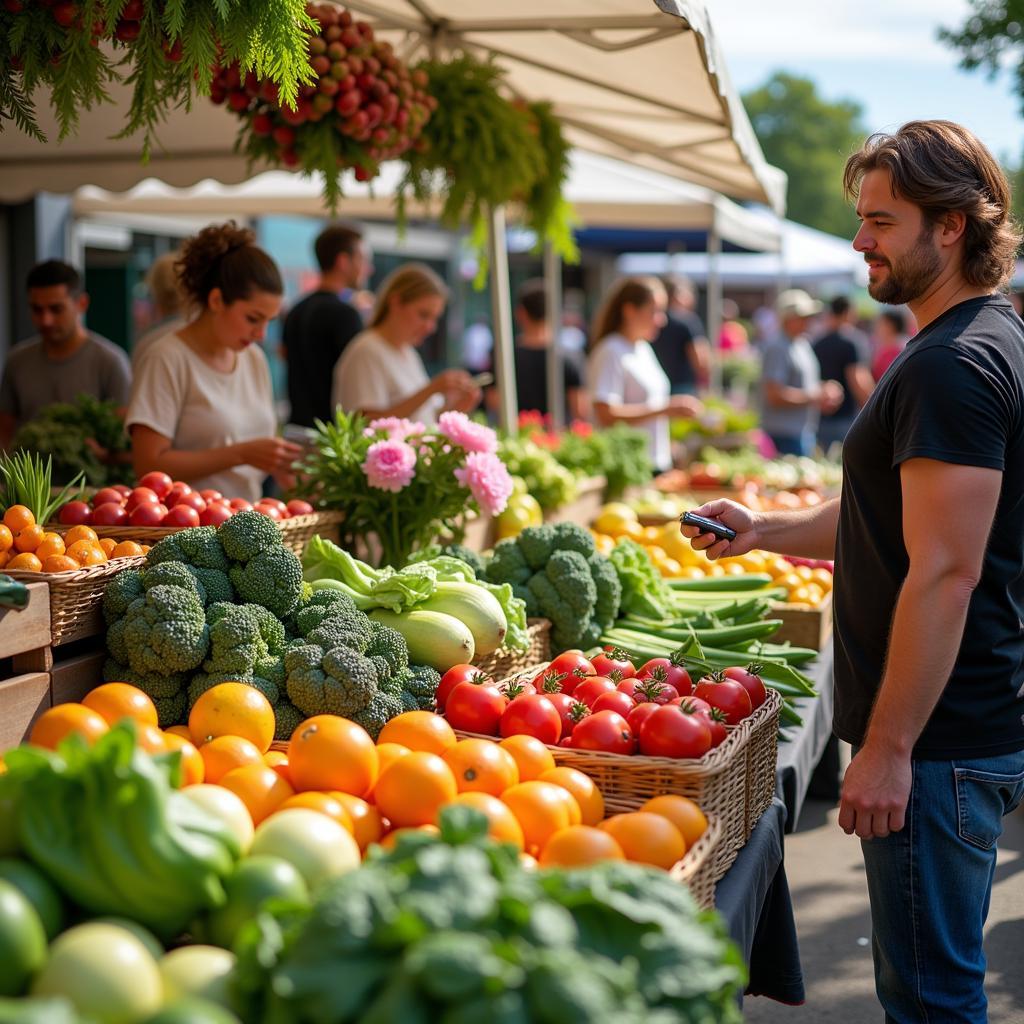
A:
(319, 327)
(891, 336)
(63, 359)
(928, 538)
(792, 392)
(681, 345)
(843, 356)
(627, 383)
(202, 406)
(381, 372)
(532, 344)
(478, 345)
(733, 336)
(168, 302)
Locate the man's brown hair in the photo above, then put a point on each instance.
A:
(334, 240)
(942, 167)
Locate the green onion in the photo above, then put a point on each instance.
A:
(26, 480)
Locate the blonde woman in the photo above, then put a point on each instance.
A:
(380, 373)
(627, 383)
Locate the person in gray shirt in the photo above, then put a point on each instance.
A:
(64, 360)
(792, 393)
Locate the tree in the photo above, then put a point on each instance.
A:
(810, 138)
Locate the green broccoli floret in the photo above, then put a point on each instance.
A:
(216, 584)
(567, 595)
(173, 574)
(287, 718)
(472, 558)
(124, 588)
(351, 630)
(322, 605)
(537, 544)
(158, 685)
(116, 643)
(165, 550)
(202, 548)
(171, 710)
(166, 631)
(271, 628)
(411, 703)
(421, 684)
(573, 537)
(393, 683)
(523, 592)
(272, 669)
(388, 644)
(338, 682)
(378, 713)
(609, 591)
(246, 534)
(266, 687)
(272, 578)
(507, 564)
(236, 643)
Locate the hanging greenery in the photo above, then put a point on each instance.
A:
(362, 106)
(165, 50)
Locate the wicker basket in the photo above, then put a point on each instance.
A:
(697, 869)
(762, 757)
(503, 663)
(75, 597)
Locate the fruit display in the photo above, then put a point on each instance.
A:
(747, 468)
(720, 417)
(550, 483)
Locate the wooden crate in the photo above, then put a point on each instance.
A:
(804, 625)
(22, 700)
(25, 694)
(586, 506)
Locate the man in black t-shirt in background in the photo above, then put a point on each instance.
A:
(843, 355)
(318, 328)
(928, 538)
(681, 346)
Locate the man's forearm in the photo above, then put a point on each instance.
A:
(806, 532)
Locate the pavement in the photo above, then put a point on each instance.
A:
(826, 880)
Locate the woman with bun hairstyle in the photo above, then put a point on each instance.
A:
(202, 405)
(627, 383)
(380, 373)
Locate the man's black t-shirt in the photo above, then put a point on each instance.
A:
(955, 394)
(673, 347)
(837, 351)
(532, 379)
(316, 331)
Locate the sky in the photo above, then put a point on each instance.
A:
(882, 53)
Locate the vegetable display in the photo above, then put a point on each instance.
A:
(545, 478)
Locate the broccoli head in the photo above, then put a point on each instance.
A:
(173, 574)
(202, 548)
(378, 713)
(171, 710)
(537, 544)
(215, 583)
(165, 550)
(271, 628)
(272, 669)
(390, 646)
(272, 578)
(567, 595)
(124, 588)
(116, 643)
(246, 534)
(507, 564)
(287, 718)
(348, 630)
(166, 631)
(322, 605)
(236, 643)
(411, 703)
(609, 591)
(338, 682)
(573, 537)
(158, 685)
(421, 683)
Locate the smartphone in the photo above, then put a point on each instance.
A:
(483, 380)
(720, 530)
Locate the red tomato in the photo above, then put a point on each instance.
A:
(640, 714)
(178, 490)
(727, 695)
(239, 504)
(74, 513)
(516, 688)
(159, 483)
(590, 689)
(751, 682)
(616, 701)
(532, 715)
(564, 704)
(716, 723)
(215, 513)
(613, 659)
(550, 680)
(193, 500)
(605, 730)
(124, 490)
(665, 670)
(276, 503)
(692, 704)
(270, 511)
(671, 732)
(650, 687)
(149, 513)
(475, 707)
(455, 675)
(110, 513)
(571, 662)
(209, 494)
(180, 515)
(106, 496)
(140, 496)
(297, 507)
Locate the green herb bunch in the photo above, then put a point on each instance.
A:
(26, 480)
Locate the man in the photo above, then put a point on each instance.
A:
(792, 394)
(318, 328)
(63, 360)
(843, 356)
(681, 346)
(928, 538)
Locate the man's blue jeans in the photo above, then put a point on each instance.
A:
(930, 885)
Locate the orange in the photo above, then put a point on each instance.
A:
(149, 738)
(6, 537)
(226, 753)
(503, 825)
(325, 804)
(480, 766)
(115, 701)
(193, 770)
(578, 845)
(77, 533)
(126, 549)
(682, 812)
(414, 788)
(86, 552)
(391, 839)
(367, 826)
(278, 760)
(51, 544)
(260, 788)
(233, 709)
(64, 719)
(108, 544)
(145, 549)
(419, 730)
(17, 517)
(180, 730)
(327, 752)
(582, 787)
(26, 562)
(388, 752)
(532, 758)
(541, 808)
(646, 838)
(5, 557)
(60, 563)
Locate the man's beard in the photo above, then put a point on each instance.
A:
(910, 276)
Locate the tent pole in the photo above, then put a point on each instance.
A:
(501, 325)
(714, 296)
(553, 304)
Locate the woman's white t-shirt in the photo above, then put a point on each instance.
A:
(179, 395)
(373, 374)
(623, 373)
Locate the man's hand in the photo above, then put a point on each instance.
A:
(830, 397)
(685, 406)
(875, 792)
(737, 517)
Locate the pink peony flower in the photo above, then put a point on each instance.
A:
(461, 430)
(488, 481)
(390, 465)
(395, 428)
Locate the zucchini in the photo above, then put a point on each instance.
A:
(434, 639)
(476, 607)
(714, 584)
